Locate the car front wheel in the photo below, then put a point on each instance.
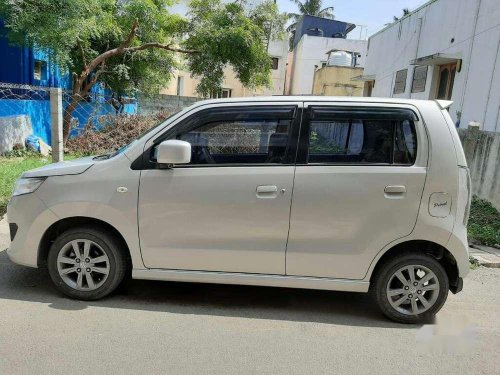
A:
(86, 263)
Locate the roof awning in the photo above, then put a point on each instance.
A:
(364, 78)
(436, 59)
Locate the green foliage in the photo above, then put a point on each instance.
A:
(311, 8)
(266, 15)
(222, 34)
(225, 35)
(473, 263)
(319, 144)
(21, 153)
(57, 26)
(484, 223)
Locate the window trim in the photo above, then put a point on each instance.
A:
(289, 111)
(354, 112)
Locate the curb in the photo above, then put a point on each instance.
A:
(485, 256)
(4, 234)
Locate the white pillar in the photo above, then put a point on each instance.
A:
(56, 124)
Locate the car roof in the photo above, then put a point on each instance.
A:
(310, 98)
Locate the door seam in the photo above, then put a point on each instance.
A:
(293, 185)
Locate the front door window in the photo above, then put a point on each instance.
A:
(239, 142)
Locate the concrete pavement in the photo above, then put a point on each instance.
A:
(175, 328)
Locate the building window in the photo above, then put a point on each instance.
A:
(223, 93)
(275, 63)
(419, 79)
(323, 64)
(40, 70)
(180, 81)
(400, 83)
(446, 81)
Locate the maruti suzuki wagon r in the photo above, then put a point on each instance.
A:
(348, 194)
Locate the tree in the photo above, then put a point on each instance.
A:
(134, 45)
(310, 8)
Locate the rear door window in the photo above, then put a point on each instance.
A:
(367, 137)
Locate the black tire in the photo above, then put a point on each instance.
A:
(110, 245)
(383, 276)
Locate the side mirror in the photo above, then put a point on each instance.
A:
(174, 151)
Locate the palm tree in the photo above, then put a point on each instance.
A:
(310, 8)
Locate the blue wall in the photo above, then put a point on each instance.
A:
(17, 66)
(37, 110)
(329, 27)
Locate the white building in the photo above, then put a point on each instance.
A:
(278, 49)
(446, 49)
(311, 53)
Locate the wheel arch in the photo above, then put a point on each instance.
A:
(437, 251)
(64, 224)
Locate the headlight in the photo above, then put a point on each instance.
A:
(27, 185)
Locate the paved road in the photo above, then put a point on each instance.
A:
(175, 328)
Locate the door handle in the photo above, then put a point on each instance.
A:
(395, 189)
(267, 191)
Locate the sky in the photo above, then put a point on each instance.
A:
(372, 14)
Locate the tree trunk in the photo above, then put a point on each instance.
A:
(80, 89)
(68, 112)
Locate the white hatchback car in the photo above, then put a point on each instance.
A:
(349, 194)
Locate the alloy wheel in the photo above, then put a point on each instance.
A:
(412, 289)
(83, 265)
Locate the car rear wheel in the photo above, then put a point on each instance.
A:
(86, 263)
(410, 288)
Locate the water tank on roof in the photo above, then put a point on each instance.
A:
(340, 58)
(315, 31)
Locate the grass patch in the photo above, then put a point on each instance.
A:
(11, 168)
(484, 223)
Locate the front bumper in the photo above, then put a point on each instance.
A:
(32, 218)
